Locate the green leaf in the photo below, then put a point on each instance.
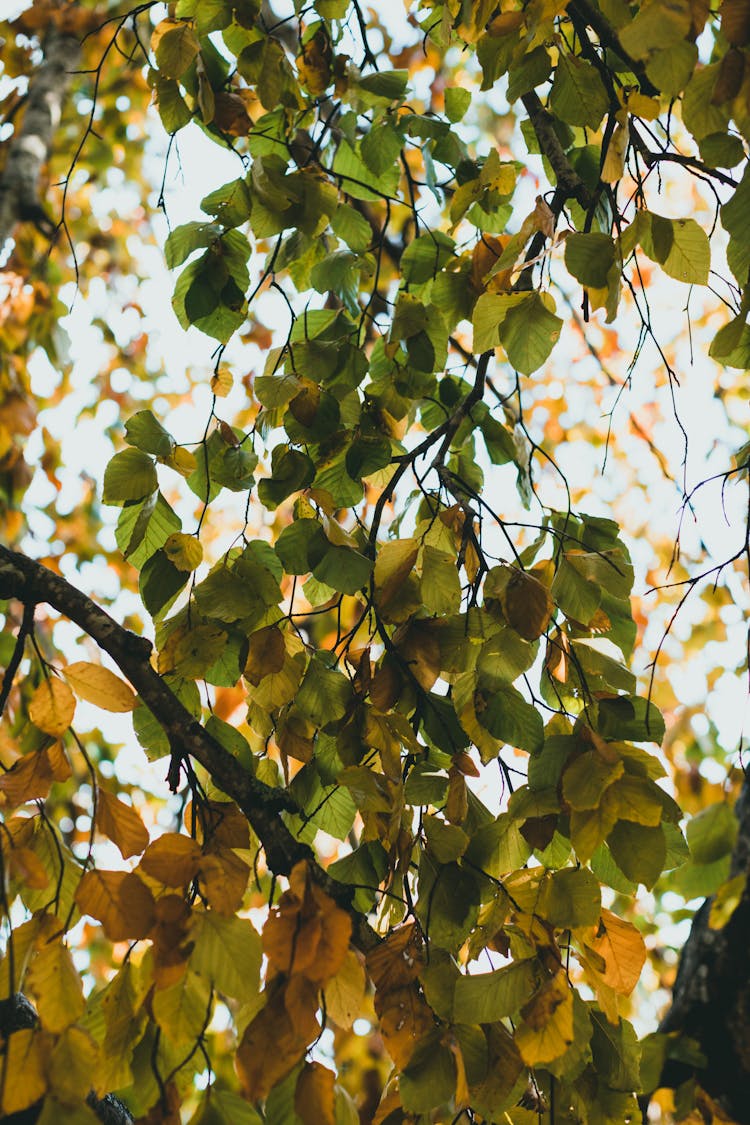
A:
(182, 241)
(639, 851)
(680, 246)
(425, 256)
(699, 113)
(572, 898)
(489, 997)
(657, 25)
(528, 332)
(130, 475)
(160, 582)
(712, 833)
(390, 85)
(457, 101)
(630, 717)
(440, 585)
(176, 48)
(144, 526)
(578, 95)
(324, 692)
(227, 952)
(146, 433)
(589, 258)
(510, 718)
(343, 569)
(173, 109)
(430, 1076)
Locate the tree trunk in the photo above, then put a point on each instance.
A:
(711, 996)
(30, 145)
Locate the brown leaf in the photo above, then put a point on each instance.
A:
(735, 22)
(527, 605)
(266, 654)
(404, 1018)
(119, 900)
(314, 1095)
(30, 777)
(121, 824)
(398, 960)
(223, 879)
(172, 859)
(274, 1041)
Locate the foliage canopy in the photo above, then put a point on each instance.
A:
(417, 781)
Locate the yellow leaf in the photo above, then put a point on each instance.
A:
(221, 382)
(614, 162)
(121, 824)
(393, 565)
(726, 900)
(74, 1059)
(623, 950)
(182, 1010)
(182, 461)
(56, 985)
(172, 859)
(547, 1028)
(183, 551)
(99, 686)
(314, 1095)
(641, 106)
(345, 992)
(306, 932)
(266, 654)
(25, 1080)
(52, 707)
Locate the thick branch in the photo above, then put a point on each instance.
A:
(31, 583)
(568, 180)
(711, 996)
(30, 145)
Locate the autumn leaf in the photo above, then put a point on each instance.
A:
(96, 684)
(56, 985)
(121, 823)
(623, 950)
(275, 1040)
(52, 707)
(119, 900)
(314, 1095)
(172, 859)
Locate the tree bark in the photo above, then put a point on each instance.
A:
(30, 145)
(32, 584)
(711, 995)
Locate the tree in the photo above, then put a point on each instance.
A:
(413, 778)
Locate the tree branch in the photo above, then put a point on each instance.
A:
(608, 38)
(31, 583)
(30, 145)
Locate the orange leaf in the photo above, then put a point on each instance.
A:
(306, 932)
(404, 1018)
(172, 859)
(29, 778)
(119, 900)
(623, 950)
(52, 707)
(314, 1095)
(398, 960)
(121, 824)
